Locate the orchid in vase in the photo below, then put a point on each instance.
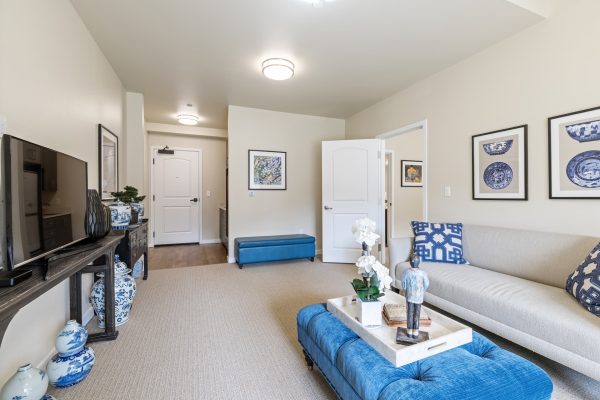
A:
(375, 276)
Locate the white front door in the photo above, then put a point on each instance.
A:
(177, 200)
(352, 189)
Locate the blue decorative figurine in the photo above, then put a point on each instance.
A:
(414, 282)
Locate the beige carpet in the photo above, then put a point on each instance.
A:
(217, 332)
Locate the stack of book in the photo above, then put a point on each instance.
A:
(395, 315)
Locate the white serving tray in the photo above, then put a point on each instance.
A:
(444, 332)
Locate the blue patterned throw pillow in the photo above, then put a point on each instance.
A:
(438, 242)
(584, 283)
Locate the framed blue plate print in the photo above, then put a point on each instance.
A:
(500, 164)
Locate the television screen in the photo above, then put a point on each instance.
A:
(43, 201)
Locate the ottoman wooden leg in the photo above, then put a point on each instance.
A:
(309, 362)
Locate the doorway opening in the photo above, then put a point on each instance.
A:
(405, 179)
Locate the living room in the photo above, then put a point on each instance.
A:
(360, 74)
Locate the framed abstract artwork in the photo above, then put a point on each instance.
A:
(411, 173)
(500, 164)
(574, 155)
(267, 170)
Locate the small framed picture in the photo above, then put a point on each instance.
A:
(411, 173)
(500, 164)
(574, 155)
(267, 170)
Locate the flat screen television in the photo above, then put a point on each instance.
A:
(42, 201)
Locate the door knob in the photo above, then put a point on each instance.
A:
(195, 200)
(328, 208)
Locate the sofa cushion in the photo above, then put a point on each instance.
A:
(438, 242)
(584, 283)
(542, 257)
(543, 311)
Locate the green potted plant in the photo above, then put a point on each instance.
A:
(129, 195)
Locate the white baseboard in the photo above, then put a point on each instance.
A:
(231, 260)
(210, 241)
(42, 364)
(87, 316)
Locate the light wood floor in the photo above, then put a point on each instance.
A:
(186, 255)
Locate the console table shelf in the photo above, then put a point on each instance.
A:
(12, 299)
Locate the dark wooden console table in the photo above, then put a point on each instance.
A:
(12, 299)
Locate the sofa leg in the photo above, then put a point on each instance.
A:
(309, 362)
(312, 259)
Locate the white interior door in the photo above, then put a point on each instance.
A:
(177, 200)
(352, 189)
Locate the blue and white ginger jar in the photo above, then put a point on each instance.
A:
(70, 370)
(120, 216)
(71, 339)
(125, 289)
(26, 383)
(139, 207)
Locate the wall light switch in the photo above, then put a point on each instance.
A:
(251, 193)
(447, 191)
(208, 193)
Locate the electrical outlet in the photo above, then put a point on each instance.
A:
(208, 193)
(447, 191)
(251, 193)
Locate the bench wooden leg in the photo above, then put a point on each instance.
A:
(312, 259)
(240, 266)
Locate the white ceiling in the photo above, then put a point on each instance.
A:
(348, 54)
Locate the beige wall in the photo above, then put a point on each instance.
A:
(214, 161)
(547, 70)
(407, 202)
(273, 212)
(55, 87)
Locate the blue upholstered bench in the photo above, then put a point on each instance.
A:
(252, 250)
(477, 370)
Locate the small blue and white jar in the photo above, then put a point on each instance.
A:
(71, 339)
(70, 370)
(120, 216)
(26, 383)
(139, 207)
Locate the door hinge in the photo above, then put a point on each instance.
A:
(153, 161)
(153, 198)
(153, 234)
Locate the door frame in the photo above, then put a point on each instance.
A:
(154, 149)
(391, 192)
(407, 129)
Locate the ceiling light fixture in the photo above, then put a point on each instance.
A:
(278, 69)
(188, 119)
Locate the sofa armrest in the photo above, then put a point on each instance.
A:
(400, 250)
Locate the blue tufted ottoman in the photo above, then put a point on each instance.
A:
(478, 370)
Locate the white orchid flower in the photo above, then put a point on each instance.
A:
(365, 265)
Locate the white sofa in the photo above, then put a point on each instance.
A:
(514, 286)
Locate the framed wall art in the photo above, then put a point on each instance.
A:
(267, 170)
(411, 173)
(500, 164)
(108, 158)
(574, 155)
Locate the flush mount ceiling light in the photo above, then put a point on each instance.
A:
(188, 119)
(278, 69)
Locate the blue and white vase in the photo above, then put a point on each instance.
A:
(139, 207)
(71, 339)
(125, 289)
(26, 383)
(70, 370)
(120, 216)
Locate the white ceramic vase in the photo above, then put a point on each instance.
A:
(26, 383)
(369, 312)
(70, 370)
(71, 339)
(125, 289)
